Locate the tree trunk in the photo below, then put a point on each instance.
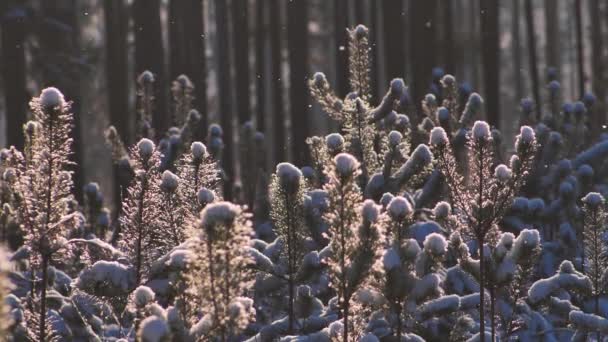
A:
(297, 44)
(532, 55)
(598, 117)
(59, 37)
(13, 26)
(240, 34)
(393, 30)
(423, 55)
(116, 26)
(224, 94)
(448, 15)
(515, 31)
(149, 55)
(341, 43)
(260, 57)
(552, 32)
(579, 47)
(276, 79)
(490, 56)
(482, 274)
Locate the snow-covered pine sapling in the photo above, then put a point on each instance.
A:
(197, 170)
(174, 213)
(145, 100)
(355, 237)
(287, 213)
(182, 90)
(44, 185)
(140, 218)
(483, 200)
(218, 273)
(596, 248)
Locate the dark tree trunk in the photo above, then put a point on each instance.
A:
(149, 55)
(579, 47)
(423, 55)
(490, 56)
(116, 25)
(360, 12)
(552, 32)
(517, 49)
(597, 116)
(276, 79)
(448, 15)
(224, 95)
(240, 31)
(531, 33)
(297, 44)
(341, 43)
(260, 58)
(393, 29)
(197, 59)
(13, 26)
(376, 61)
(59, 38)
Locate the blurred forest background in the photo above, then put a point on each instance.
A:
(249, 61)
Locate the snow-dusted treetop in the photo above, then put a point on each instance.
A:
(51, 98)
(438, 136)
(370, 211)
(346, 164)
(198, 150)
(219, 213)
(481, 131)
(399, 208)
(145, 148)
(593, 199)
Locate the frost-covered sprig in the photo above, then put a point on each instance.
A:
(182, 90)
(197, 170)
(595, 246)
(353, 231)
(287, 212)
(174, 213)
(145, 96)
(141, 235)
(359, 61)
(218, 274)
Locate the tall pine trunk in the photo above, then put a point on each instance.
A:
(393, 29)
(297, 44)
(13, 30)
(224, 93)
(490, 57)
(578, 17)
(341, 43)
(423, 54)
(276, 79)
(240, 34)
(531, 33)
(260, 66)
(598, 81)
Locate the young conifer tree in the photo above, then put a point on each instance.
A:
(287, 212)
(483, 198)
(43, 190)
(140, 224)
(219, 273)
(355, 235)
